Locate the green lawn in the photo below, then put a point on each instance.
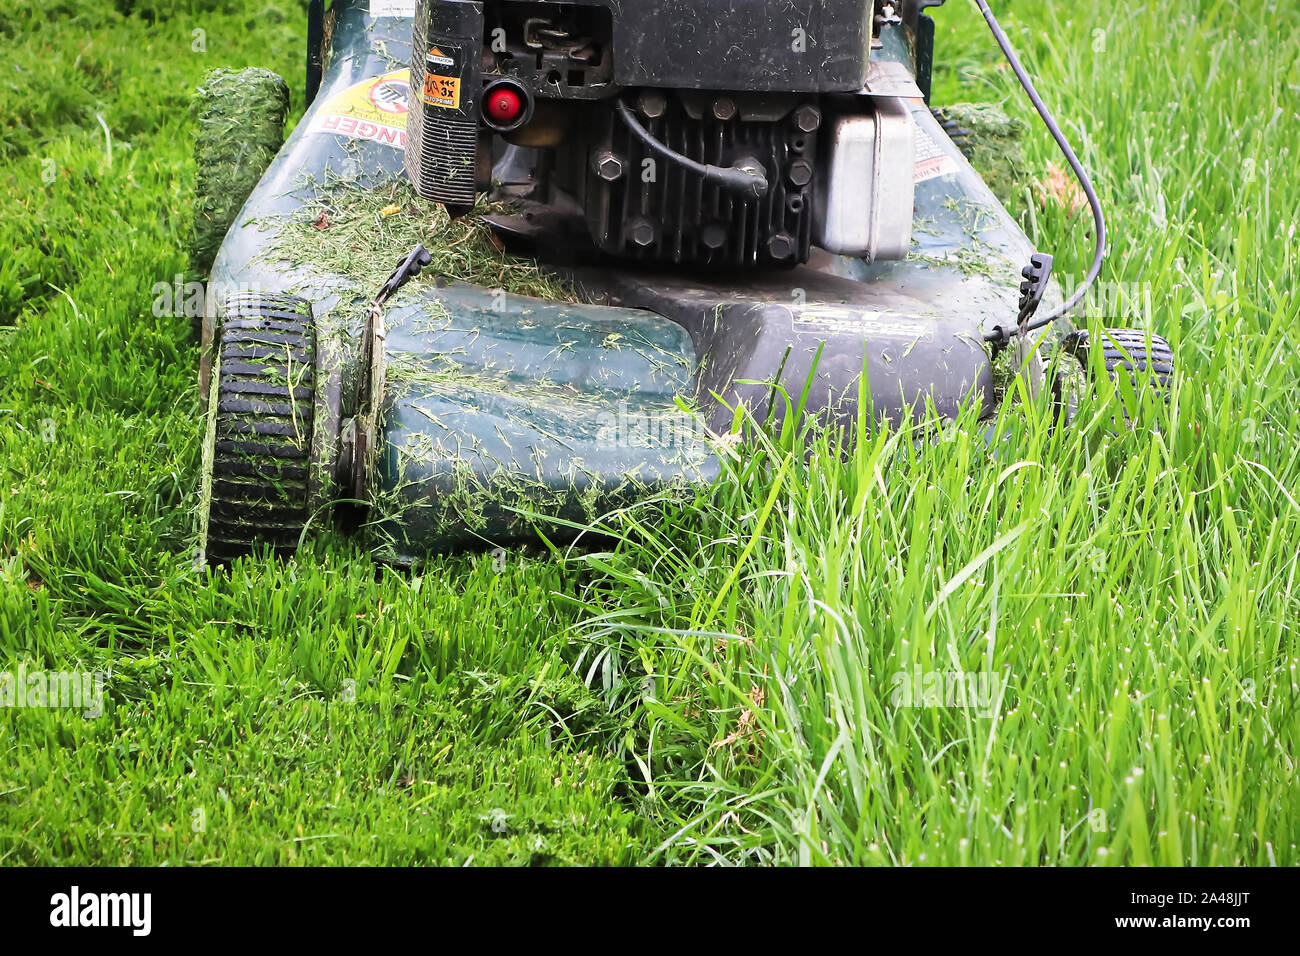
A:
(721, 683)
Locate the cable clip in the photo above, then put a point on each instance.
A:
(406, 270)
(1036, 275)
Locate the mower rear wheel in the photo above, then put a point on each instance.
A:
(1127, 351)
(258, 456)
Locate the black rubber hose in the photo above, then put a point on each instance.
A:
(745, 180)
(1081, 174)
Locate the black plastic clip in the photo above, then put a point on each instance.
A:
(1036, 276)
(406, 270)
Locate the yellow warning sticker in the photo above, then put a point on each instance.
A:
(442, 91)
(374, 110)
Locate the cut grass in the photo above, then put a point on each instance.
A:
(356, 233)
(720, 684)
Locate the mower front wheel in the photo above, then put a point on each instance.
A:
(258, 454)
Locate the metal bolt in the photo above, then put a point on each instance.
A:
(801, 173)
(714, 237)
(607, 166)
(724, 108)
(643, 232)
(780, 246)
(653, 103)
(807, 119)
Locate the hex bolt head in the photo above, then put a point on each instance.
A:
(714, 236)
(807, 119)
(653, 103)
(643, 233)
(801, 173)
(607, 166)
(724, 108)
(780, 246)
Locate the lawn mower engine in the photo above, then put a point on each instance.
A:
(726, 133)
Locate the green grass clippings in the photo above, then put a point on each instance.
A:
(240, 116)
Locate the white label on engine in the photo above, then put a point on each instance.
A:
(392, 8)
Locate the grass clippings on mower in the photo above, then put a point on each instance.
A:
(362, 233)
(240, 116)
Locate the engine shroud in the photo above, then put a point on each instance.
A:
(722, 89)
(759, 45)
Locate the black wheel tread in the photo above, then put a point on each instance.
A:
(264, 412)
(1127, 350)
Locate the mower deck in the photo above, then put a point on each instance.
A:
(502, 411)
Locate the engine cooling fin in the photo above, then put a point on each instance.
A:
(674, 216)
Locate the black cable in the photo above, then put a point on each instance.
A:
(746, 178)
(1081, 174)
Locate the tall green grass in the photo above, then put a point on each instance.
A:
(1133, 590)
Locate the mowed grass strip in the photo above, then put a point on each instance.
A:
(320, 711)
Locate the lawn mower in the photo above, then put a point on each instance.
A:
(738, 207)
